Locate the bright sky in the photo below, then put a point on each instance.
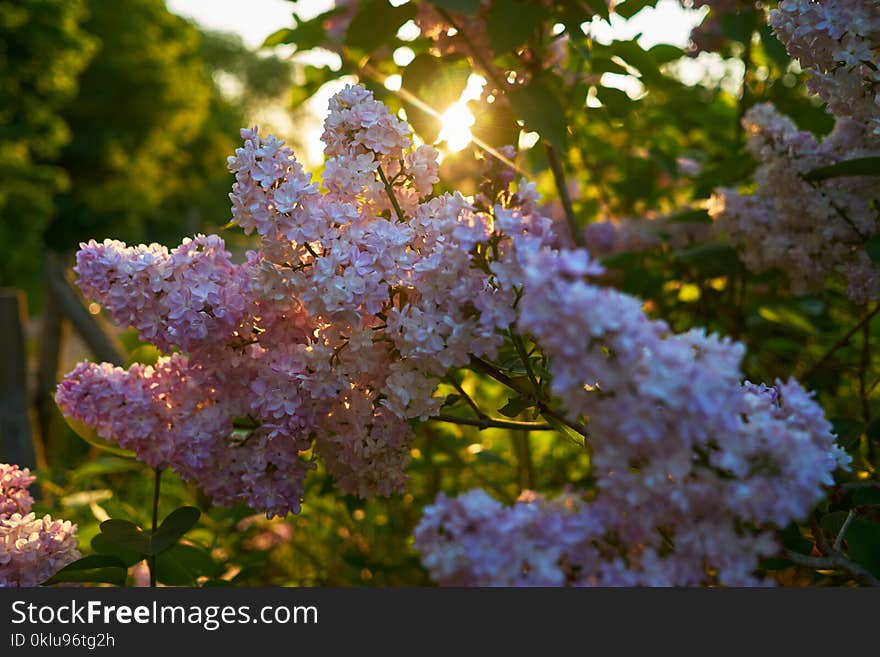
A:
(254, 20)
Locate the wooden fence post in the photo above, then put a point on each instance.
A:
(69, 302)
(53, 334)
(16, 443)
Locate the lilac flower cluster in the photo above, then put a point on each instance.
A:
(31, 549)
(809, 229)
(838, 43)
(334, 334)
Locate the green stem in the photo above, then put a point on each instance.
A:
(390, 191)
(491, 423)
(842, 342)
(480, 365)
(151, 561)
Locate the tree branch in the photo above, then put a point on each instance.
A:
(491, 423)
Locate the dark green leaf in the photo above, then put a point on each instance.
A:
(872, 248)
(539, 108)
(178, 523)
(126, 534)
(181, 565)
(691, 217)
(773, 47)
(305, 35)
(103, 545)
(600, 7)
(848, 431)
(665, 52)
(96, 568)
(616, 100)
(792, 539)
(376, 24)
(468, 7)
(863, 544)
(511, 22)
(739, 25)
(710, 259)
(862, 166)
(631, 7)
(515, 406)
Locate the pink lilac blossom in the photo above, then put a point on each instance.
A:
(14, 484)
(31, 549)
(838, 43)
(810, 230)
(334, 334)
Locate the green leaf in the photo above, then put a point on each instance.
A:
(616, 100)
(631, 7)
(665, 52)
(90, 435)
(710, 259)
(739, 25)
(512, 22)
(436, 81)
(787, 317)
(487, 456)
(848, 431)
(863, 544)
(305, 35)
(691, 217)
(146, 354)
(126, 534)
(600, 7)
(862, 166)
(315, 78)
(792, 538)
(182, 565)
(468, 7)
(515, 406)
(376, 24)
(539, 108)
(872, 248)
(102, 544)
(773, 47)
(98, 568)
(178, 523)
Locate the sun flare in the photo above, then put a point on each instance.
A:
(455, 129)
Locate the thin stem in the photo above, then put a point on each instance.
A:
(151, 561)
(842, 342)
(479, 365)
(390, 191)
(467, 398)
(524, 357)
(840, 535)
(562, 188)
(491, 423)
(864, 364)
(835, 561)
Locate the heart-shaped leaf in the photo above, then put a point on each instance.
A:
(102, 568)
(126, 534)
(178, 523)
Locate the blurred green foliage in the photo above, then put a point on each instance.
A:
(144, 152)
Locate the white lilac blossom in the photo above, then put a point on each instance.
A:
(32, 549)
(331, 337)
(809, 229)
(838, 43)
